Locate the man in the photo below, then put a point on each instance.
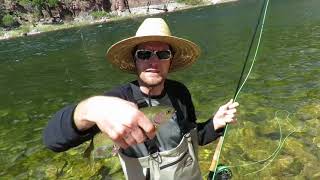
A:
(169, 153)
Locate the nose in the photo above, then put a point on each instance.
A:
(154, 59)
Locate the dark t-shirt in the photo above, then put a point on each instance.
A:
(61, 133)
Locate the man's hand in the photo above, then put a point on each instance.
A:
(119, 119)
(225, 115)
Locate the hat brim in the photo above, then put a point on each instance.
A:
(185, 52)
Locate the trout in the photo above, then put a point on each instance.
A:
(101, 146)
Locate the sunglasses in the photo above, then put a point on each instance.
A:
(143, 54)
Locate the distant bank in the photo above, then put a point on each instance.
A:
(85, 19)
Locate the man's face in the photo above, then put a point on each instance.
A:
(152, 71)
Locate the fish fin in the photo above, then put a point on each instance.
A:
(60, 173)
(88, 151)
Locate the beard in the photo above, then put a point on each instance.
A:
(151, 81)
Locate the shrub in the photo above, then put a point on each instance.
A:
(100, 14)
(8, 20)
(191, 2)
(53, 3)
(25, 28)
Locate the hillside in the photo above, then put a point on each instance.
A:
(28, 17)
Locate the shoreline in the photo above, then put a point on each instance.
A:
(29, 30)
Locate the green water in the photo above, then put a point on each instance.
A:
(277, 136)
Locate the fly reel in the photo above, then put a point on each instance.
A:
(223, 173)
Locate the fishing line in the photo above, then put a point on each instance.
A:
(272, 155)
(67, 72)
(249, 51)
(278, 149)
(82, 38)
(263, 13)
(275, 155)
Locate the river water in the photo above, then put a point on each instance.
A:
(277, 134)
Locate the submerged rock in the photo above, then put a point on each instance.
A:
(312, 127)
(308, 112)
(299, 150)
(316, 141)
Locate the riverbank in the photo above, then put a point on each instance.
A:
(87, 19)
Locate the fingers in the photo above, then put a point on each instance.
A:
(129, 139)
(146, 126)
(226, 106)
(118, 137)
(138, 135)
(230, 107)
(125, 136)
(230, 119)
(232, 104)
(122, 143)
(226, 114)
(231, 111)
(125, 129)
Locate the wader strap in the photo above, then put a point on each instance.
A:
(137, 96)
(151, 144)
(148, 174)
(153, 150)
(154, 167)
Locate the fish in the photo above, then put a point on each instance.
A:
(101, 146)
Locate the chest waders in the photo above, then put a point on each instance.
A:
(178, 163)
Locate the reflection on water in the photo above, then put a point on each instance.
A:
(277, 135)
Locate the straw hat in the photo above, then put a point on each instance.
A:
(153, 29)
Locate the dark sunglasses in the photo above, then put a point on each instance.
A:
(143, 54)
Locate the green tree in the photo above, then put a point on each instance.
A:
(45, 5)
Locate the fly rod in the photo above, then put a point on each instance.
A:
(220, 171)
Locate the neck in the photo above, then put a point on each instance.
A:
(151, 90)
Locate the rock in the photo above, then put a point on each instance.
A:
(298, 149)
(311, 169)
(310, 111)
(316, 141)
(33, 32)
(316, 175)
(281, 163)
(312, 127)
